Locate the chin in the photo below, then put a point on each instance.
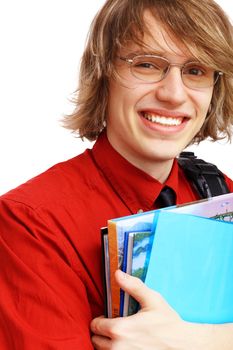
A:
(164, 153)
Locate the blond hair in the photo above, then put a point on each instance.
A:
(202, 26)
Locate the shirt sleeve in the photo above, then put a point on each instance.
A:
(43, 302)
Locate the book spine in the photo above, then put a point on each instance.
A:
(113, 266)
(106, 281)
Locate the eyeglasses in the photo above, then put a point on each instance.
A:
(152, 69)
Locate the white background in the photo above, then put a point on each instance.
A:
(41, 44)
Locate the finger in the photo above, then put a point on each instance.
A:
(101, 343)
(102, 326)
(146, 297)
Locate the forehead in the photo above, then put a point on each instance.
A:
(158, 39)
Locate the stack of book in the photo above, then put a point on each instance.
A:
(183, 252)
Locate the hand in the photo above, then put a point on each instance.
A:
(156, 326)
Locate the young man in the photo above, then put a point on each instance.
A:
(155, 76)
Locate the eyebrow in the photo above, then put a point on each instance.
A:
(143, 52)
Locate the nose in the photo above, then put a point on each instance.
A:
(171, 89)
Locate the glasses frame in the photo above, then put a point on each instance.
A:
(130, 62)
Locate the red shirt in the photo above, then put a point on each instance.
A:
(50, 276)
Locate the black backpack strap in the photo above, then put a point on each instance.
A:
(206, 178)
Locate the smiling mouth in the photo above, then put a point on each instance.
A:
(162, 120)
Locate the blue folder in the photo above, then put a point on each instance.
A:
(191, 265)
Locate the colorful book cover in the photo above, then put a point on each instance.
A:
(141, 250)
(219, 207)
(136, 258)
(191, 265)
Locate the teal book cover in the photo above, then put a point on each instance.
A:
(191, 265)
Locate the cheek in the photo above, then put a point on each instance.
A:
(123, 101)
(203, 101)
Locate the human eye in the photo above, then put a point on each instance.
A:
(195, 70)
(147, 68)
(146, 65)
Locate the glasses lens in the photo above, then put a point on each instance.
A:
(149, 68)
(196, 75)
(152, 69)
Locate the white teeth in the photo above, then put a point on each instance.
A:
(163, 120)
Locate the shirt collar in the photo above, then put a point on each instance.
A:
(137, 189)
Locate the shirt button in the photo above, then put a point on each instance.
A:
(140, 211)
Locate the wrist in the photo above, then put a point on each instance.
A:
(200, 335)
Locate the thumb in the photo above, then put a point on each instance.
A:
(146, 297)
